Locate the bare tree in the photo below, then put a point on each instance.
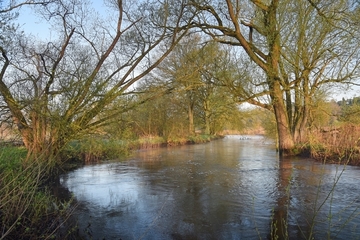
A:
(59, 90)
(299, 45)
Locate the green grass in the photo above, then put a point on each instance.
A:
(28, 209)
(202, 138)
(193, 139)
(95, 149)
(11, 157)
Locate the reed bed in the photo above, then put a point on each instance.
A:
(336, 144)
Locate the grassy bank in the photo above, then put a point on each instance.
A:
(98, 148)
(155, 141)
(28, 210)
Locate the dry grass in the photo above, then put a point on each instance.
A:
(338, 145)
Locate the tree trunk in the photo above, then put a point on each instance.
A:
(286, 143)
(301, 131)
(191, 118)
(207, 117)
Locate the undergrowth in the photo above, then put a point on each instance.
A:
(28, 210)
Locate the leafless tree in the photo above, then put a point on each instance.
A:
(57, 90)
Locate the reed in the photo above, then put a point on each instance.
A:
(336, 145)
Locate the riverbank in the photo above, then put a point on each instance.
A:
(29, 209)
(348, 156)
(97, 149)
(339, 145)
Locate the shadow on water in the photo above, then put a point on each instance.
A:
(233, 188)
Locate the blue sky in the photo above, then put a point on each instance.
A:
(31, 23)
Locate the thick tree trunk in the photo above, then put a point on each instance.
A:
(285, 138)
(286, 142)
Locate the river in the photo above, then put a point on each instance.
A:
(232, 188)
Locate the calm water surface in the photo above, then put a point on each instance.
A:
(225, 189)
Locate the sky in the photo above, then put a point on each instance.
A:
(30, 22)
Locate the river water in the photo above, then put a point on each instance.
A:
(232, 188)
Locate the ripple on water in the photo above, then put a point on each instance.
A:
(226, 189)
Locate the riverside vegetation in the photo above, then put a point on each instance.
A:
(28, 210)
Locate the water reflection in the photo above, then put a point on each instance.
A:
(226, 189)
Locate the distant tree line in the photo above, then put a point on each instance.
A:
(349, 101)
